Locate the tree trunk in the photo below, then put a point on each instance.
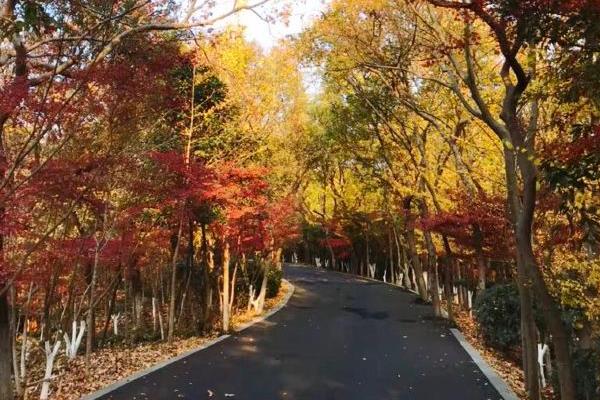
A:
(260, 300)
(138, 301)
(552, 315)
(431, 260)
(225, 296)
(522, 207)
(481, 267)
(48, 300)
(171, 322)
(207, 266)
(367, 258)
(433, 272)
(528, 342)
(90, 317)
(412, 248)
(448, 292)
(111, 307)
(6, 389)
(391, 257)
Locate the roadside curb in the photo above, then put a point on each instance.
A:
(497, 382)
(97, 394)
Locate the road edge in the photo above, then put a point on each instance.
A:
(137, 375)
(492, 376)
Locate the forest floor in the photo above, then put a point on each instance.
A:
(111, 364)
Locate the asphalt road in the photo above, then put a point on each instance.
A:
(339, 338)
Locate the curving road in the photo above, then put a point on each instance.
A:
(339, 338)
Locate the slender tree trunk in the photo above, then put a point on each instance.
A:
(13, 334)
(225, 296)
(111, 307)
(433, 274)
(391, 257)
(171, 322)
(431, 260)
(402, 261)
(90, 317)
(137, 301)
(184, 295)
(48, 300)
(367, 254)
(206, 281)
(448, 284)
(481, 266)
(6, 389)
(412, 248)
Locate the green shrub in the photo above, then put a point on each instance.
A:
(586, 363)
(498, 312)
(273, 282)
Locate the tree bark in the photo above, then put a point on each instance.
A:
(226, 294)
(6, 389)
(522, 207)
(206, 287)
(481, 267)
(91, 317)
(111, 306)
(431, 259)
(402, 261)
(260, 300)
(412, 248)
(171, 322)
(448, 283)
(529, 342)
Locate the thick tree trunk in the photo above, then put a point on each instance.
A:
(259, 304)
(529, 275)
(552, 315)
(528, 339)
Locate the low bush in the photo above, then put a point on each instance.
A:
(274, 282)
(497, 311)
(586, 363)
